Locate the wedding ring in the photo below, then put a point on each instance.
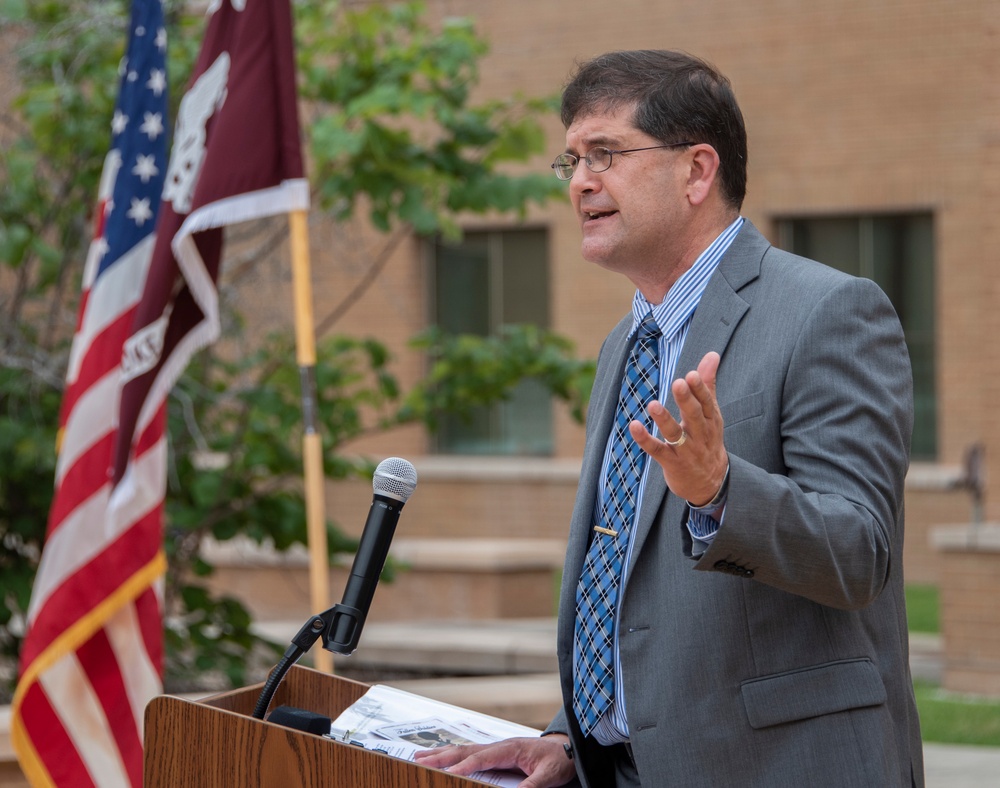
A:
(678, 442)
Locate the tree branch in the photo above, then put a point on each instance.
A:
(365, 282)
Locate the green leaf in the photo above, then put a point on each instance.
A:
(13, 10)
(14, 241)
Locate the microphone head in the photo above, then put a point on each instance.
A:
(396, 478)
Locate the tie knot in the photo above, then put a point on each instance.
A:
(648, 328)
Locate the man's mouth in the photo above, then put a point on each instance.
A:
(589, 216)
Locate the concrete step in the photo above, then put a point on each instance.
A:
(513, 646)
(463, 496)
(500, 647)
(446, 578)
(926, 655)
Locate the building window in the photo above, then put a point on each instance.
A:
(485, 281)
(897, 251)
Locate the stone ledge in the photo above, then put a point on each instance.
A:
(929, 476)
(479, 553)
(436, 579)
(934, 477)
(415, 552)
(443, 468)
(984, 537)
(510, 646)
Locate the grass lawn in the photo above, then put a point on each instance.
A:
(922, 608)
(948, 717)
(951, 718)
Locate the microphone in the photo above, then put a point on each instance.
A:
(394, 482)
(340, 626)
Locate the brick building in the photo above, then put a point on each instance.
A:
(874, 131)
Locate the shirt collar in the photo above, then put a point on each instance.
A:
(685, 294)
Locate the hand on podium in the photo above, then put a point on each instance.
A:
(544, 760)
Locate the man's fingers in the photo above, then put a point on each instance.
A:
(443, 757)
(695, 392)
(544, 763)
(708, 367)
(479, 761)
(665, 423)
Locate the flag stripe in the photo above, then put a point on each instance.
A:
(45, 749)
(140, 668)
(111, 297)
(110, 692)
(74, 547)
(73, 544)
(147, 610)
(77, 597)
(88, 472)
(100, 360)
(86, 426)
(75, 703)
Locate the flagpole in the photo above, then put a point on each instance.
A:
(312, 447)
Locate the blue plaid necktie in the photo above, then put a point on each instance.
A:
(597, 592)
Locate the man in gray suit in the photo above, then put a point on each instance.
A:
(756, 622)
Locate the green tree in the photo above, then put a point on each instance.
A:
(395, 141)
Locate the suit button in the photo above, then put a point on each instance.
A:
(748, 573)
(723, 566)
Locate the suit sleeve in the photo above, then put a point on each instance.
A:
(826, 526)
(559, 724)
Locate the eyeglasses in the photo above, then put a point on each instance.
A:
(598, 159)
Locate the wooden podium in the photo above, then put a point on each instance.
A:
(216, 742)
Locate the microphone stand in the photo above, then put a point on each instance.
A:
(319, 625)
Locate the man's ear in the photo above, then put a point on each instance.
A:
(704, 170)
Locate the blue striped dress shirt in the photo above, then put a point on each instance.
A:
(673, 315)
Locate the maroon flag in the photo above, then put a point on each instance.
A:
(236, 156)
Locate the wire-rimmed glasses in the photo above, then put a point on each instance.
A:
(598, 159)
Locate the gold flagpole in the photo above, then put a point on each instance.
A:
(312, 447)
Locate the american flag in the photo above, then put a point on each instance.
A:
(93, 651)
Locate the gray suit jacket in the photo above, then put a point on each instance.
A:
(779, 655)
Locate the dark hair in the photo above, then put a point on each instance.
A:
(677, 97)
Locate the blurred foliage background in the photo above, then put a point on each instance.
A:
(394, 140)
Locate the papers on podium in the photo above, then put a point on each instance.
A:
(399, 723)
